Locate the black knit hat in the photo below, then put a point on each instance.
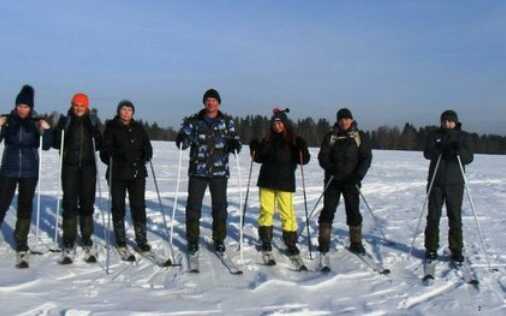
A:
(449, 115)
(344, 113)
(26, 96)
(280, 115)
(126, 103)
(211, 93)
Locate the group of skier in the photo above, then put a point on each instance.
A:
(345, 156)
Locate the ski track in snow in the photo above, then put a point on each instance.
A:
(394, 189)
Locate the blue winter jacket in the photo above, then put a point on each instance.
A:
(207, 139)
(20, 157)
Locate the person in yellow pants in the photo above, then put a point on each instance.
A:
(279, 153)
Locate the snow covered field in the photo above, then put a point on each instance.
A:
(394, 188)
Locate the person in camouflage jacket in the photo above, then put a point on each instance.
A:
(211, 136)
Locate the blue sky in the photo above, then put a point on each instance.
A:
(388, 61)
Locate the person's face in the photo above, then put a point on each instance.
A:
(126, 114)
(278, 127)
(23, 110)
(212, 105)
(448, 124)
(345, 123)
(79, 109)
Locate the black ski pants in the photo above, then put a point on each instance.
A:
(26, 187)
(351, 202)
(79, 188)
(196, 190)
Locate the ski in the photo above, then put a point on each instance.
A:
(125, 254)
(227, 262)
(67, 257)
(298, 263)
(193, 262)
(155, 259)
(466, 272)
(90, 254)
(324, 263)
(22, 260)
(369, 261)
(429, 272)
(268, 258)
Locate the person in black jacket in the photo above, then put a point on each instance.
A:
(21, 131)
(346, 156)
(81, 139)
(212, 137)
(279, 153)
(447, 143)
(127, 144)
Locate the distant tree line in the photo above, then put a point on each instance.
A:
(384, 137)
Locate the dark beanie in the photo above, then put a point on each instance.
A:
(280, 115)
(449, 115)
(211, 93)
(126, 103)
(344, 113)
(26, 96)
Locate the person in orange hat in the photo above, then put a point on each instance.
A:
(80, 136)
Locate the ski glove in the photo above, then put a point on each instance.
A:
(300, 143)
(253, 145)
(180, 139)
(233, 145)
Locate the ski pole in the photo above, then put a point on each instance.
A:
(245, 204)
(109, 183)
(301, 159)
(374, 218)
(38, 192)
(436, 168)
(104, 221)
(480, 235)
(241, 235)
(312, 213)
(174, 206)
(60, 196)
(164, 218)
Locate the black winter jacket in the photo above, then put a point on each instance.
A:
(20, 157)
(345, 154)
(79, 135)
(279, 161)
(439, 143)
(130, 149)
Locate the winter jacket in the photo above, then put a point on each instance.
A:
(346, 155)
(130, 149)
(81, 134)
(439, 142)
(209, 141)
(279, 161)
(20, 157)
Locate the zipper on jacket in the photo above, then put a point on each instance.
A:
(81, 141)
(20, 139)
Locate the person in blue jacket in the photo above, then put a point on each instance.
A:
(20, 165)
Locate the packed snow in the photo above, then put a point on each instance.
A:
(394, 188)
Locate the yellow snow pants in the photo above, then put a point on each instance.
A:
(269, 199)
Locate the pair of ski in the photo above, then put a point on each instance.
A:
(90, 257)
(463, 269)
(296, 261)
(150, 255)
(193, 262)
(366, 258)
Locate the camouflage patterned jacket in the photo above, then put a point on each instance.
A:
(208, 139)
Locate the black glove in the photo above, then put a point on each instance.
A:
(180, 140)
(253, 145)
(354, 180)
(233, 145)
(300, 143)
(453, 144)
